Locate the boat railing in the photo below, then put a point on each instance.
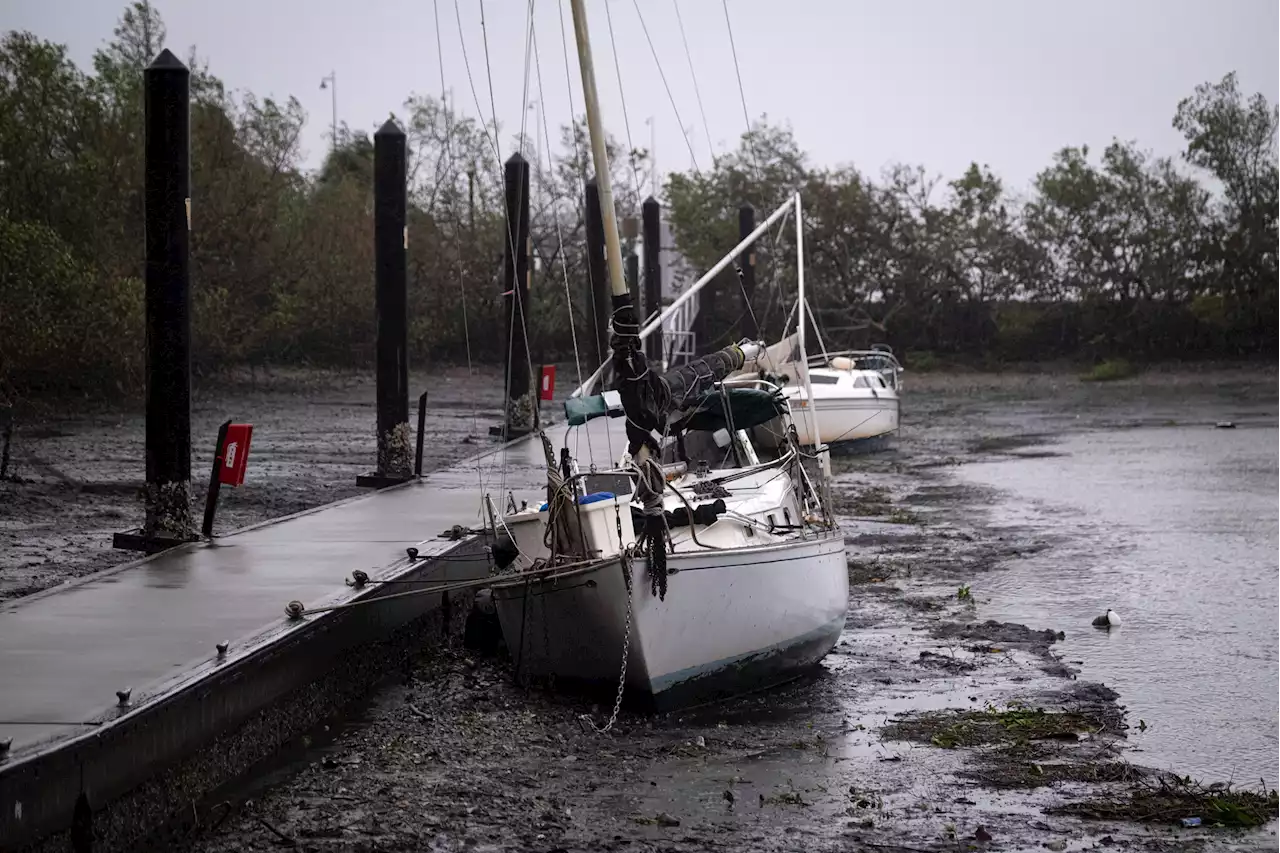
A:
(885, 355)
(883, 361)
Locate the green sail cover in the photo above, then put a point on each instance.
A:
(579, 410)
(749, 407)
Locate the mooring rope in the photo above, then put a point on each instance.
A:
(297, 610)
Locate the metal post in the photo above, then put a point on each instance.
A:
(651, 216)
(537, 396)
(390, 244)
(215, 482)
(597, 271)
(515, 250)
(167, 97)
(747, 224)
(5, 440)
(422, 426)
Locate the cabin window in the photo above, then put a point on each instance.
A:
(820, 379)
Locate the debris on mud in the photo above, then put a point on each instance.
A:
(1014, 725)
(865, 502)
(1166, 798)
(998, 633)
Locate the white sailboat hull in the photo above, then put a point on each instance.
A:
(732, 621)
(844, 419)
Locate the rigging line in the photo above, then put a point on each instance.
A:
(515, 287)
(457, 243)
(495, 143)
(697, 92)
(759, 173)
(622, 93)
(555, 213)
(466, 62)
(521, 203)
(662, 74)
(581, 160)
(749, 141)
(742, 96)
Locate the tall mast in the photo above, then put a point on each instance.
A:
(599, 155)
(811, 405)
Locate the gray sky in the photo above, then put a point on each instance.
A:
(938, 83)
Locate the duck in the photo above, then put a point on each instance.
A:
(1110, 619)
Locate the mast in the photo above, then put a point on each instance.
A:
(599, 154)
(811, 405)
(656, 322)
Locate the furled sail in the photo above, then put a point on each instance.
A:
(780, 362)
(649, 399)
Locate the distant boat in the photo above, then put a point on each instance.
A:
(856, 392)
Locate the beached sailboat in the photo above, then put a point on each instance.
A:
(856, 393)
(705, 561)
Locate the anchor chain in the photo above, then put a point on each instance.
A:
(625, 563)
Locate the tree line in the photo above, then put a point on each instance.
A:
(1120, 253)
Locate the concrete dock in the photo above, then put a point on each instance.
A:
(152, 627)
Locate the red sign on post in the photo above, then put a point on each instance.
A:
(235, 454)
(547, 389)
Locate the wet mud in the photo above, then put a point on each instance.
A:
(929, 727)
(76, 470)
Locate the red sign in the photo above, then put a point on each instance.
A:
(547, 390)
(235, 454)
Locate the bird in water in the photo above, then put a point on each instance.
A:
(1110, 619)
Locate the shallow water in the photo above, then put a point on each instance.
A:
(1175, 528)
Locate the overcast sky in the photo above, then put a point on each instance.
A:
(934, 82)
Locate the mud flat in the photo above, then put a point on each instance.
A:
(931, 727)
(77, 468)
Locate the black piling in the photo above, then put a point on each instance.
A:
(515, 251)
(167, 94)
(167, 203)
(391, 299)
(651, 216)
(598, 273)
(747, 224)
